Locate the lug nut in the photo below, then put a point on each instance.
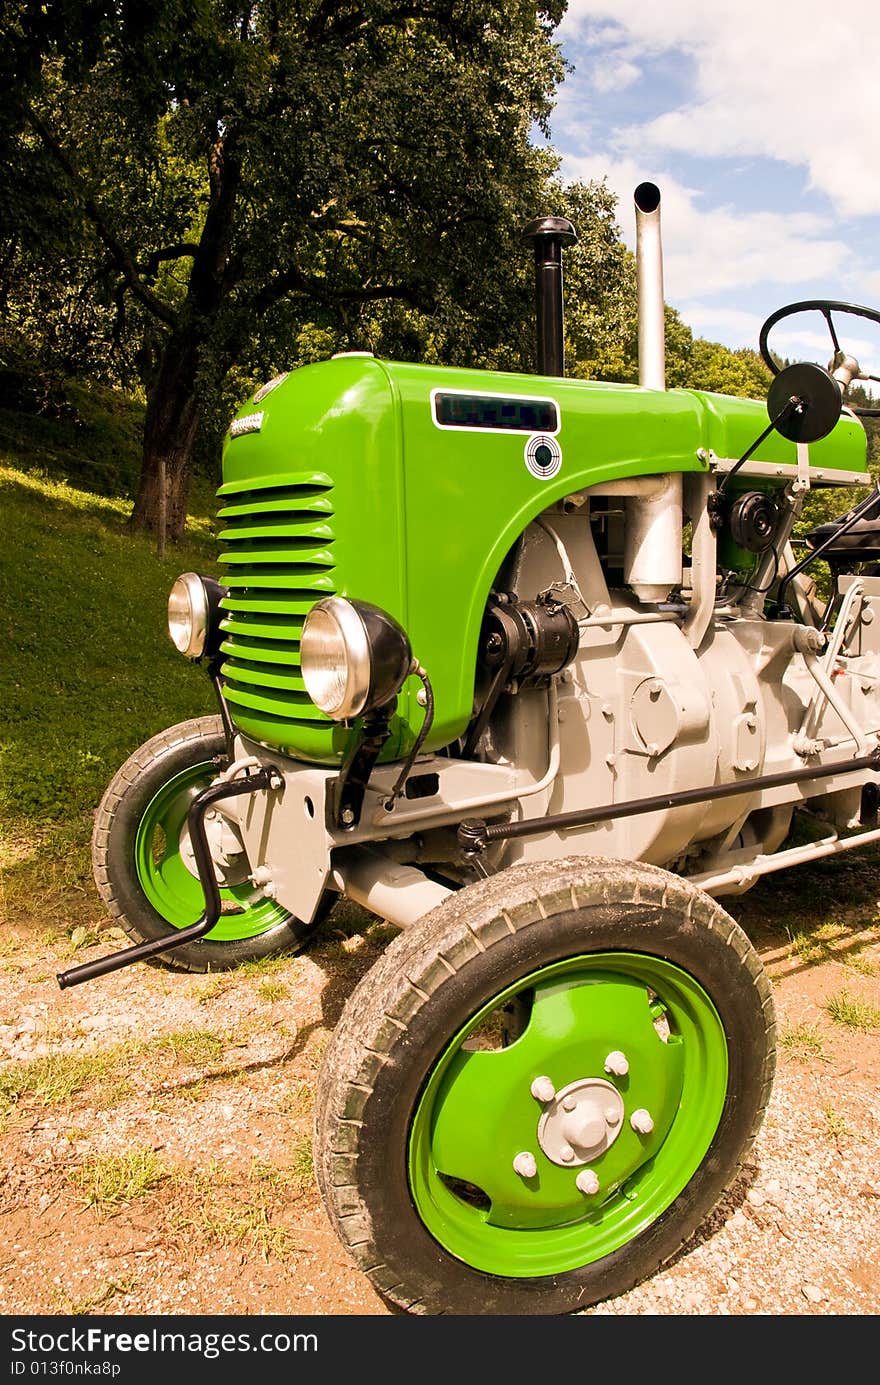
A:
(642, 1121)
(587, 1182)
(569, 1104)
(542, 1089)
(617, 1063)
(524, 1164)
(567, 1153)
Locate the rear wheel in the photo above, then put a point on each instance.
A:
(145, 872)
(542, 1089)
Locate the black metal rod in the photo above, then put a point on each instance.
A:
(815, 553)
(549, 235)
(786, 409)
(222, 707)
(265, 778)
(474, 834)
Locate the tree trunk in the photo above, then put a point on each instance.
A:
(170, 430)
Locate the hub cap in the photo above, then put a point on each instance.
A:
(478, 1115)
(581, 1122)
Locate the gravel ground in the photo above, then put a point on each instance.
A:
(233, 1223)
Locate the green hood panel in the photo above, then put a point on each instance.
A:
(346, 483)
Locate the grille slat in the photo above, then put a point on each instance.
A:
(283, 706)
(278, 558)
(260, 625)
(284, 505)
(257, 554)
(252, 674)
(305, 531)
(270, 653)
(319, 582)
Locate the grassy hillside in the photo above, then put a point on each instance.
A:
(87, 671)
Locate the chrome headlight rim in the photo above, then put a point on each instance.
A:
(372, 657)
(194, 615)
(354, 659)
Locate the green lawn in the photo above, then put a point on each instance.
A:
(87, 672)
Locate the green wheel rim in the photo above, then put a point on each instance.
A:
(477, 1112)
(168, 885)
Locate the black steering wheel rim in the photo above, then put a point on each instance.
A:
(825, 306)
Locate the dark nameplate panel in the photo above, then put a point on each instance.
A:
(496, 413)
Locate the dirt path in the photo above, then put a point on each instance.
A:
(156, 1154)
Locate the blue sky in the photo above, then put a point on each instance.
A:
(758, 121)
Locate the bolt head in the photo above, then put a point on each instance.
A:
(347, 816)
(524, 1164)
(617, 1063)
(587, 1182)
(542, 1089)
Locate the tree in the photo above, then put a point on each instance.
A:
(232, 169)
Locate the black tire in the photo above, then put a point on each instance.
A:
(154, 765)
(434, 978)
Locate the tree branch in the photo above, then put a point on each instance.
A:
(171, 252)
(119, 253)
(328, 23)
(294, 281)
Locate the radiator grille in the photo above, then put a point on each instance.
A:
(278, 558)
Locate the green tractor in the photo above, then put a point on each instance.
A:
(526, 666)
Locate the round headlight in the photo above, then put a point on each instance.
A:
(354, 657)
(194, 614)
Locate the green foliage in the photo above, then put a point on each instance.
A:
(194, 187)
(67, 428)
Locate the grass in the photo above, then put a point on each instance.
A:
(273, 990)
(803, 1042)
(88, 673)
(109, 1182)
(817, 945)
(85, 1304)
(242, 1225)
(836, 1127)
(227, 1208)
(56, 1077)
(851, 1013)
(192, 1046)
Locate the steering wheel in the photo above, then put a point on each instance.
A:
(843, 367)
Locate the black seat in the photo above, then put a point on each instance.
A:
(860, 543)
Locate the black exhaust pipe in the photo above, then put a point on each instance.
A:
(550, 235)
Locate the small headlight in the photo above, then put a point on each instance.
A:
(354, 657)
(194, 615)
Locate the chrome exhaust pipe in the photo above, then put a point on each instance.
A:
(649, 275)
(652, 540)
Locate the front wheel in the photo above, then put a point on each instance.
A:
(542, 1088)
(146, 874)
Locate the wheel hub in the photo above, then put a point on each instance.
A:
(581, 1121)
(226, 847)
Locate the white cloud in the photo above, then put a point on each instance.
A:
(615, 75)
(709, 250)
(734, 325)
(790, 79)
